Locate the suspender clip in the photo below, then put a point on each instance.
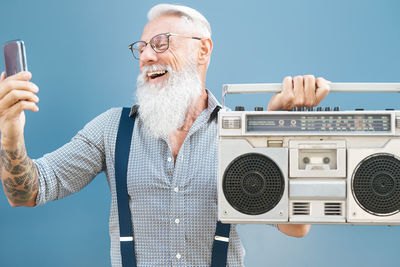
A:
(221, 238)
(125, 238)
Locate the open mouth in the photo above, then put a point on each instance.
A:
(155, 74)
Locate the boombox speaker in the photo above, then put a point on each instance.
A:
(254, 181)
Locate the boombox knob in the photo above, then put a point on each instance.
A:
(319, 108)
(310, 109)
(327, 109)
(258, 109)
(336, 108)
(239, 108)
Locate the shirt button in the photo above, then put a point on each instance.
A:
(178, 256)
(169, 159)
(176, 189)
(177, 221)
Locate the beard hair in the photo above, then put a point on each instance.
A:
(163, 105)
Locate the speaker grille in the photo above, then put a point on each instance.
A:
(253, 184)
(301, 208)
(376, 184)
(333, 209)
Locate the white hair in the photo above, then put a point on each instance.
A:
(199, 22)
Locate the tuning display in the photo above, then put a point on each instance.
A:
(319, 123)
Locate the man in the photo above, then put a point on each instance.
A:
(172, 172)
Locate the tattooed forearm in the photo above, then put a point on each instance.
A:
(19, 175)
(18, 169)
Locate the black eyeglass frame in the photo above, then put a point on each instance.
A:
(168, 34)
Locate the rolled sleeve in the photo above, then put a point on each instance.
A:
(73, 166)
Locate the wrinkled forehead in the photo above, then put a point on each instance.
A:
(166, 23)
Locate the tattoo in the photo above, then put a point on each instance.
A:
(6, 162)
(20, 179)
(9, 185)
(18, 169)
(21, 182)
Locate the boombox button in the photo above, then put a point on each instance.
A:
(397, 122)
(231, 122)
(275, 143)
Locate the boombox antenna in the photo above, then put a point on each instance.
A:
(253, 88)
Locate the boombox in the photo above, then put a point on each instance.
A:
(318, 166)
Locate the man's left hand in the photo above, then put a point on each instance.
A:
(296, 230)
(300, 91)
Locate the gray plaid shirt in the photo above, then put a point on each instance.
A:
(174, 208)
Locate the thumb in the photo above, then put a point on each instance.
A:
(3, 76)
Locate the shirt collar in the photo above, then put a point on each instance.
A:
(134, 110)
(213, 107)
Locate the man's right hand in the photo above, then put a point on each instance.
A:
(17, 94)
(19, 174)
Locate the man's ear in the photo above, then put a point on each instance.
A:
(205, 51)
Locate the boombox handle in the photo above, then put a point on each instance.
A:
(254, 88)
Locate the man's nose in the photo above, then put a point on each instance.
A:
(148, 55)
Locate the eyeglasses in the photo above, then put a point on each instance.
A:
(159, 43)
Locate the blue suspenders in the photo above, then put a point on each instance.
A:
(122, 149)
(127, 244)
(220, 245)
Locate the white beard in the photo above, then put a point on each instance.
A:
(163, 106)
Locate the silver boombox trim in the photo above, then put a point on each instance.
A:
(319, 167)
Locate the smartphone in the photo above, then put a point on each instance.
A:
(14, 57)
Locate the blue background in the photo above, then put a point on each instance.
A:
(78, 54)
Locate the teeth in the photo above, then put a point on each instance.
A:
(158, 72)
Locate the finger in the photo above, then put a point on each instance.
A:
(288, 96)
(287, 85)
(298, 89)
(309, 90)
(22, 76)
(16, 110)
(3, 76)
(284, 99)
(323, 88)
(16, 96)
(9, 85)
